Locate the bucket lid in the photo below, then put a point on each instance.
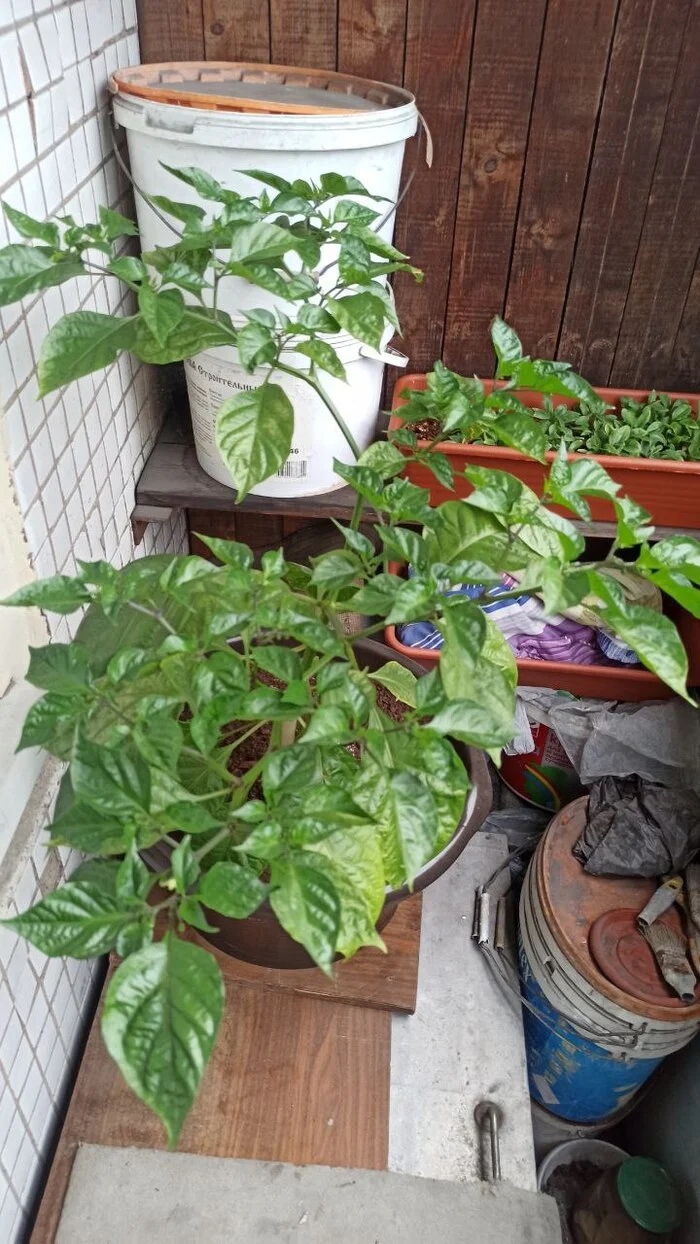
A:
(237, 86)
(649, 1195)
(623, 955)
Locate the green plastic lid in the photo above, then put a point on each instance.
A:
(649, 1195)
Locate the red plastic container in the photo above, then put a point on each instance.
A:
(670, 491)
(604, 682)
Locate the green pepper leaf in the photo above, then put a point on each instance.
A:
(28, 227)
(51, 723)
(133, 880)
(231, 890)
(362, 315)
(115, 225)
(506, 343)
(254, 434)
(256, 345)
(80, 343)
(88, 830)
(284, 663)
(115, 782)
(58, 594)
(79, 919)
(354, 260)
(323, 355)
(651, 635)
(201, 181)
(162, 310)
(521, 432)
(60, 667)
(307, 905)
(26, 269)
(398, 680)
(353, 860)
(162, 1010)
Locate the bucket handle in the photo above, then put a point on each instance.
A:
(507, 976)
(394, 358)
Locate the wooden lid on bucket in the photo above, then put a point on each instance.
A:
(238, 86)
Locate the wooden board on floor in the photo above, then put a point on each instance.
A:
(370, 978)
(292, 1079)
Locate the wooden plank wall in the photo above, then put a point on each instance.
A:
(565, 190)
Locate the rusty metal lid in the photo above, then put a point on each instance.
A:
(625, 957)
(572, 900)
(237, 86)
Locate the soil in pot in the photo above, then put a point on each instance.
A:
(565, 1184)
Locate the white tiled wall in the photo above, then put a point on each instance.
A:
(75, 458)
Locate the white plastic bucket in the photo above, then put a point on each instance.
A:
(367, 144)
(599, 1152)
(215, 375)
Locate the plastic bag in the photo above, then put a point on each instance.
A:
(636, 828)
(658, 740)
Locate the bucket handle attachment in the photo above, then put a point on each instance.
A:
(393, 358)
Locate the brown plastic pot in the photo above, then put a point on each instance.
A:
(670, 491)
(260, 939)
(604, 682)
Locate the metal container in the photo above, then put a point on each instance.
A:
(589, 1045)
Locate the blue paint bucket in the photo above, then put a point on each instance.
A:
(589, 1046)
(572, 1076)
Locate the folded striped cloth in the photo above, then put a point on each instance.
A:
(521, 619)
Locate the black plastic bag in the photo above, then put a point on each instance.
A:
(636, 828)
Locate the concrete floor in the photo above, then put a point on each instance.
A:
(464, 1043)
(130, 1196)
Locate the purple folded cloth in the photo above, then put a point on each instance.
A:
(566, 641)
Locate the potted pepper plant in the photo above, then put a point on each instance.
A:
(648, 442)
(232, 755)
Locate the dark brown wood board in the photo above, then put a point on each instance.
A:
(572, 66)
(668, 249)
(236, 30)
(646, 47)
(291, 1079)
(173, 476)
(371, 38)
(682, 363)
(504, 68)
(370, 978)
(170, 31)
(304, 32)
(576, 214)
(438, 54)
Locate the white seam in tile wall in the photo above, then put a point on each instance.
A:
(74, 459)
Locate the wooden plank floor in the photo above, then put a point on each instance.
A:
(291, 1079)
(300, 1071)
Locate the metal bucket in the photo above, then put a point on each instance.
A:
(589, 1046)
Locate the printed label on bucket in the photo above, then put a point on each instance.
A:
(210, 383)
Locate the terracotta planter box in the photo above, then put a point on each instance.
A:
(605, 682)
(670, 491)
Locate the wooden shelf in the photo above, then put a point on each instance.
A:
(173, 479)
